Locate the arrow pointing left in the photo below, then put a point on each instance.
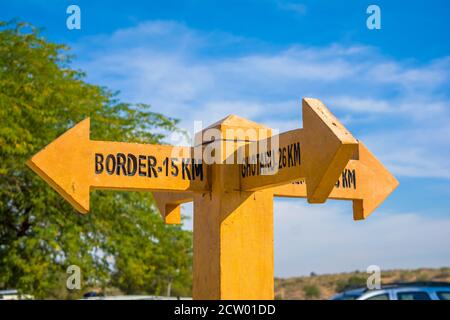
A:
(73, 165)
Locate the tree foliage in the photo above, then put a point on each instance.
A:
(122, 242)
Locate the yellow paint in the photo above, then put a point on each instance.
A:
(233, 232)
(233, 245)
(233, 213)
(69, 165)
(233, 228)
(169, 203)
(325, 147)
(172, 214)
(374, 183)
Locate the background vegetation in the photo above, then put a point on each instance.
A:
(122, 244)
(325, 286)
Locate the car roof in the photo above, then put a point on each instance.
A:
(420, 284)
(355, 291)
(349, 293)
(9, 291)
(397, 285)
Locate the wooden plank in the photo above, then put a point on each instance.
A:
(73, 165)
(365, 181)
(318, 152)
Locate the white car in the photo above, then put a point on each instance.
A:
(400, 291)
(14, 295)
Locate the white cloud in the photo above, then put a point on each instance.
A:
(422, 152)
(361, 105)
(422, 78)
(325, 239)
(298, 8)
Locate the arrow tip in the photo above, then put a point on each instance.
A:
(380, 183)
(327, 149)
(62, 164)
(170, 212)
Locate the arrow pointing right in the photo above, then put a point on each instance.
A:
(318, 152)
(365, 181)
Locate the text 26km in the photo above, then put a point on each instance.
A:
(147, 166)
(268, 162)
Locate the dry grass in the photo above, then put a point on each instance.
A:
(325, 286)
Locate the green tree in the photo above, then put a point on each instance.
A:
(122, 242)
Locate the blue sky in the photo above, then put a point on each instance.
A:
(202, 60)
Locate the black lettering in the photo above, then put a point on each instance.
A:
(258, 164)
(290, 160)
(247, 166)
(269, 160)
(141, 165)
(297, 154)
(98, 163)
(166, 166)
(253, 166)
(110, 164)
(351, 175)
(185, 169)
(344, 179)
(121, 160)
(151, 167)
(174, 166)
(280, 162)
(198, 170)
(131, 164)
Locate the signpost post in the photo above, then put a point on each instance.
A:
(233, 195)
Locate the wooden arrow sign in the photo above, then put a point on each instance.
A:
(169, 204)
(233, 220)
(318, 152)
(365, 181)
(73, 165)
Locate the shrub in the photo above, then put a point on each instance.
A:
(311, 291)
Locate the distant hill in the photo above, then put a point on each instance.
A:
(325, 286)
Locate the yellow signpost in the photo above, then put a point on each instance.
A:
(233, 195)
(365, 181)
(73, 165)
(318, 153)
